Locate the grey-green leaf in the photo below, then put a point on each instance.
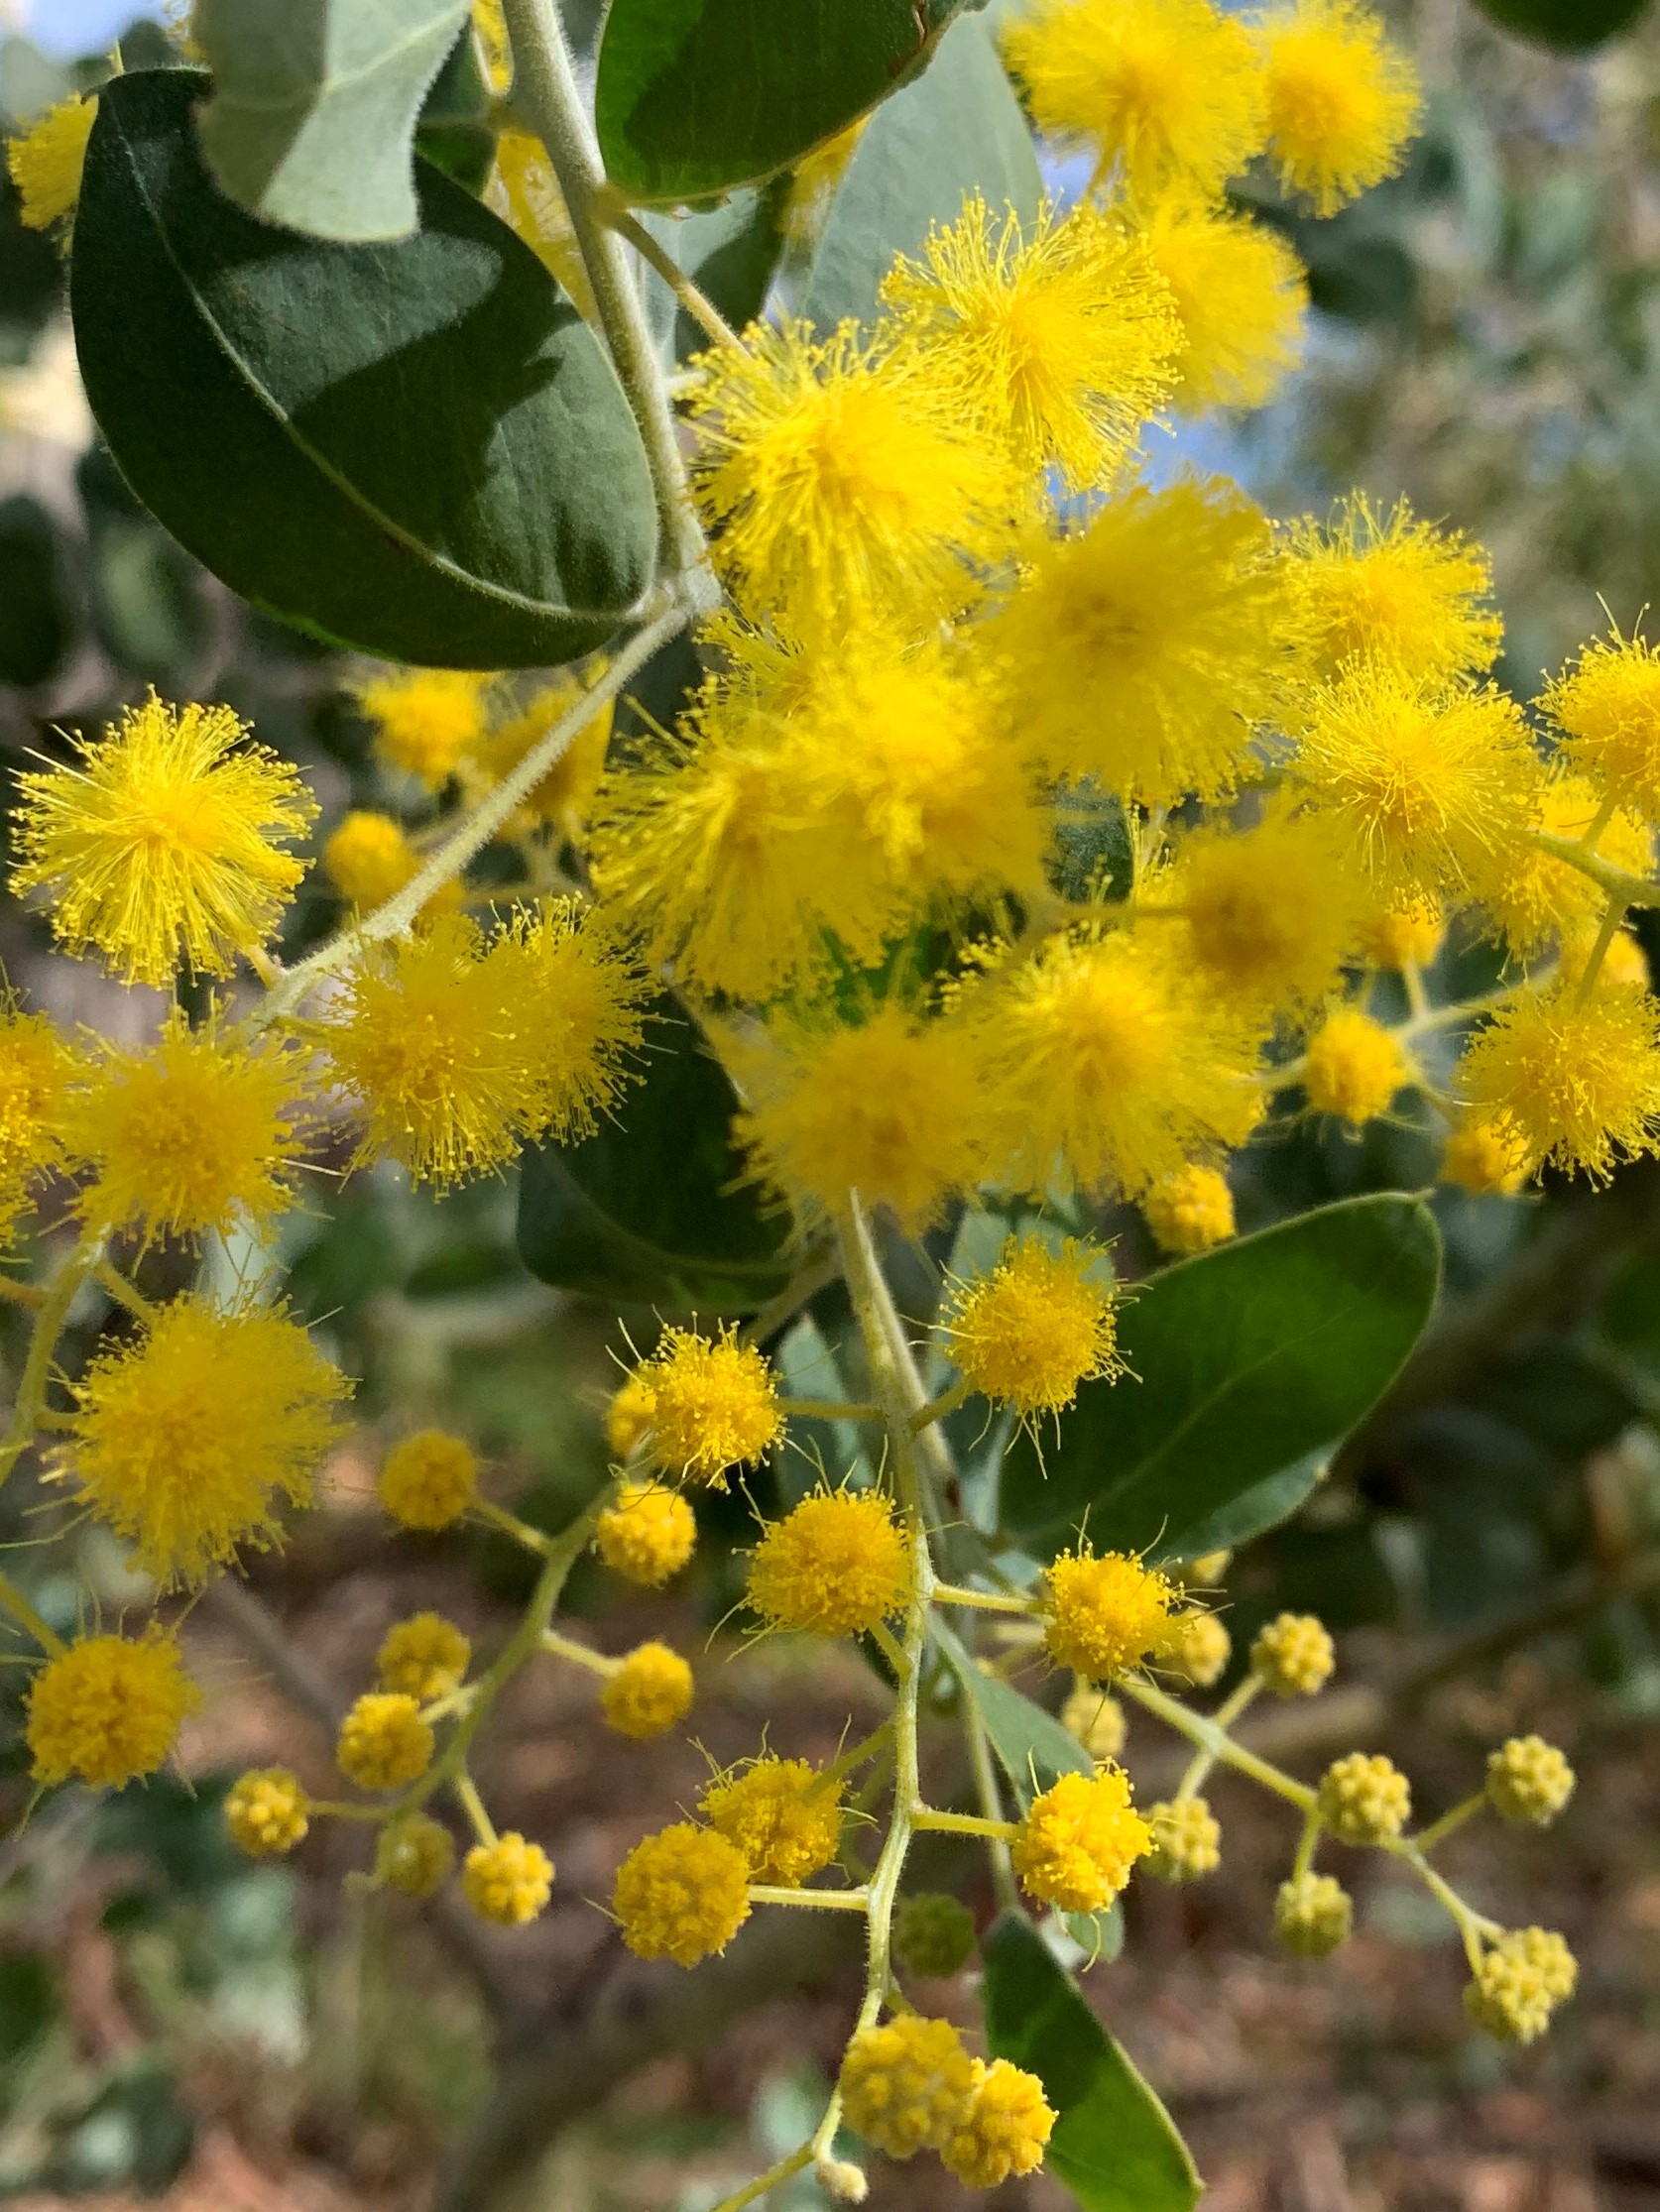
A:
(417, 449)
(1115, 2147)
(1033, 1747)
(1255, 1361)
(957, 129)
(312, 117)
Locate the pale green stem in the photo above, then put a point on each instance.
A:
(947, 1402)
(1598, 822)
(1307, 1845)
(825, 1900)
(1220, 1746)
(827, 1409)
(1224, 1719)
(1614, 915)
(770, 2179)
(984, 1601)
(1417, 1002)
(963, 1823)
(1427, 1838)
(534, 1540)
(22, 1293)
(579, 1655)
(472, 1804)
(123, 1292)
(13, 1601)
(545, 87)
(50, 1320)
(613, 211)
(1618, 882)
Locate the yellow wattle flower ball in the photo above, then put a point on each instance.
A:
(1190, 1209)
(1057, 346)
(628, 1415)
(423, 1658)
(1354, 1067)
(37, 1066)
(1104, 1612)
(1573, 1083)
(682, 1894)
(414, 1854)
(1529, 1781)
(1520, 1983)
(188, 1136)
(1095, 1719)
(714, 1404)
(508, 1881)
(107, 1709)
(1007, 2125)
(1313, 1915)
(1037, 1326)
(47, 160)
(189, 1437)
(162, 845)
(1483, 1156)
(425, 719)
(1378, 583)
(1409, 935)
(908, 2085)
(1365, 1799)
(1343, 101)
(1163, 90)
(369, 859)
(1240, 296)
(1271, 913)
(1080, 1841)
(836, 1566)
(1293, 1656)
(647, 1534)
(1196, 1648)
(1607, 705)
(1187, 1840)
(650, 1692)
(783, 1815)
(383, 1742)
(1532, 897)
(266, 1812)
(428, 1480)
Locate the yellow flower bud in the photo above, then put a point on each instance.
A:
(1294, 1656)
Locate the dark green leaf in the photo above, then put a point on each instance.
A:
(37, 621)
(696, 96)
(1572, 26)
(1253, 1360)
(1115, 2146)
(650, 1210)
(958, 129)
(312, 116)
(416, 448)
(730, 252)
(1034, 1750)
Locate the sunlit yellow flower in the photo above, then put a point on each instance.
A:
(1343, 101)
(1037, 1326)
(47, 160)
(1354, 1067)
(425, 719)
(1240, 296)
(1379, 582)
(1608, 706)
(1574, 1084)
(835, 1566)
(107, 1709)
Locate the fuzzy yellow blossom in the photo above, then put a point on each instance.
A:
(1363, 1800)
(682, 1894)
(1095, 1719)
(1240, 296)
(835, 1566)
(834, 1110)
(107, 1709)
(368, 858)
(1170, 604)
(428, 1480)
(1313, 1915)
(384, 1742)
(188, 1437)
(462, 1048)
(714, 1404)
(1354, 1067)
(1196, 1648)
(839, 484)
(628, 1417)
(1378, 583)
(188, 1136)
(47, 160)
(1057, 345)
(1408, 935)
(162, 844)
(508, 1881)
(1037, 1326)
(1104, 1612)
(425, 719)
(650, 1692)
(1607, 705)
(425, 1656)
(1482, 1157)
(1531, 896)
(564, 797)
(1187, 1840)
(1426, 780)
(266, 1812)
(783, 1816)
(1343, 101)
(1624, 963)
(36, 1068)
(647, 1534)
(908, 2085)
(414, 1854)
(1003, 2132)
(1079, 1841)
(1573, 1083)
(1160, 89)
(1190, 1209)
(1108, 1066)
(1520, 1983)
(1272, 913)
(1529, 1781)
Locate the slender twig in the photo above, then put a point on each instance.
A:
(613, 211)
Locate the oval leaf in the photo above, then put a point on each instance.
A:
(1571, 25)
(1115, 2147)
(696, 96)
(957, 130)
(649, 1209)
(1255, 1361)
(312, 117)
(417, 449)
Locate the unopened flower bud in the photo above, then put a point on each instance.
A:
(1313, 1915)
(1529, 1781)
(1292, 1657)
(933, 1934)
(1365, 1799)
(1187, 1840)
